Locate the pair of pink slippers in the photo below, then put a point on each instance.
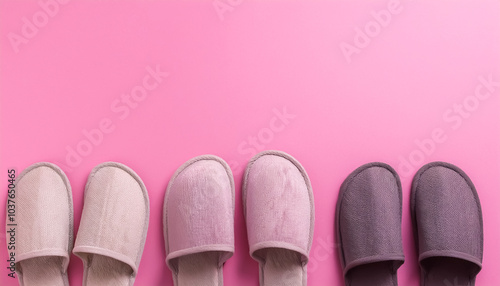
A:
(112, 230)
(198, 219)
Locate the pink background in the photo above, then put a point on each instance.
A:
(229, 75)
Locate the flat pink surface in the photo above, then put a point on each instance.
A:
(335, 84)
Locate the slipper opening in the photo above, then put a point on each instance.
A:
(449, 271)
(43, 271)
(104, 270)
(382, 273)
(281, 267)
(204, 268)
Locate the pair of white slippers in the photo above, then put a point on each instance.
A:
(198, 219)
(112, 231)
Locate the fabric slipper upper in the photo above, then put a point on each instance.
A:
(279, 212)
(198, 221)
(114, 225)
(448, 226)
(44, 230)
(368, 225)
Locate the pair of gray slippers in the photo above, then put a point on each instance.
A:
(446, 217)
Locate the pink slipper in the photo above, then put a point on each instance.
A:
(198, 221)
(44, 231)
(279, 212)
(114, 225)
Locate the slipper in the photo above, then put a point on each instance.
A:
(279, 212)
(113, 227)
(198, 221)
(44, 230)
(447, 224)
(368, 226)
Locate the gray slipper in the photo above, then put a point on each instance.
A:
(368, 226)
(447, 224)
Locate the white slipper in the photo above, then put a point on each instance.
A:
(44, 231)
(113, 227)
